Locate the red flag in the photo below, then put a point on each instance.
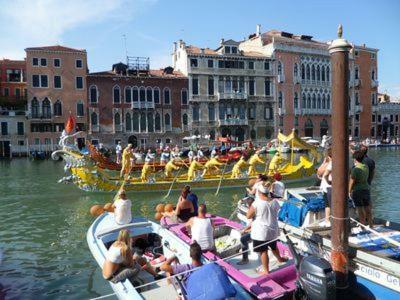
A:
(70, 125)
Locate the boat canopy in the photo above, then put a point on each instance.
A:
(296, 142)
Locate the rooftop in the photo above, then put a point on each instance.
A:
(151, 74)
(207, 51)
(57, 48)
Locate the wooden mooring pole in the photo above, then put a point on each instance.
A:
(339, 51)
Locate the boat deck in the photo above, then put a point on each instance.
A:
(160, 290)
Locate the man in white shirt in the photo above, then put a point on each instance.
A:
(118, 152)
(277, 187)
(122, 209)
(202, 229)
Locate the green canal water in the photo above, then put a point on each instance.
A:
(43, 225)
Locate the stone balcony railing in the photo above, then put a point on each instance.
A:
(358, 108)
(118, 128)
(94, 128)
(297, 111)
(232, 121)
(374, 83)
(233, 95)
(142, 104)
(315, 111)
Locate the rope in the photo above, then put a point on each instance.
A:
(194, 269)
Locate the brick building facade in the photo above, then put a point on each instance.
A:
(56, 82)
(137, 105)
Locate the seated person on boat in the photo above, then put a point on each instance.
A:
(192, 197)
(254, 160)
(184, 209)
(122, 209)
(264, 228)
(195, 165)
(120, 262)
(238, 167)
(170, 167)
(277, 187)
(171, 268)
(211, 166)
(202, 229)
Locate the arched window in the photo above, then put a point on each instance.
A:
(323, 101)
(142, 94)
(295, 70)
(318, 101)
(128, 94)
(135, 122)
(280, 68)
(135, 94)
(303, 101)
(143, 123)
(185, 120)
(116, 94)
(308, 128)
(318, 73)
(323, 73)
(308, 101)
(296, 101)
(327, 74)
(117, 119)
(211, 112)
(167, 122)
(196, 113)
(93, 94)
(93, 119)
(128, 122)
(167, 96)
(222, 111)
(308, 72)
(242, 112)
(35, 108)
(280, 100)
(328, 101)
(157, 121)
(80, 111)
(303, 72)
(373, 74)
(149, 94)
(184, 97)
(313, 72)
(156, 92)
(314, 101)
(150, 122)
(57, 108)
(46, 108)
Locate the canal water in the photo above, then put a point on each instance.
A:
(44, 254)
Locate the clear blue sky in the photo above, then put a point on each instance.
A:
(152, 26)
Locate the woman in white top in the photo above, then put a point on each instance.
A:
(278, 187)
(265, 228)
(122, 209)
(326, 187)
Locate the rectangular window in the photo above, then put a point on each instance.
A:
(17, 93)
(196, 113)
(35, 81)
(379, 118)
(373, 55)
(57, 82)
(35, 61)
(357, 117)
(21, 143)
(195, 86)
(80, 112)
(397, 118)
(193, 62)
(156, 96)
(184, 97)
(6, 92)
(94, 142)
(78, 64)
(211, 86)
(266, 65)
(296, 121)
(43, 62)
(373, 118)
(251, 65)
(268, 88)
(57, 62)
(280, 121)
(79, 83)
(356, 53)
(210, 63)
(227, 49)
(268, 113)
(234, 50)
(4, 128)
(20, 128)
(251, 87)
(44, 83)
(167, 97)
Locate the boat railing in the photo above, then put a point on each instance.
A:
(106, 231)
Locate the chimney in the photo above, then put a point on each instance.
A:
(258, 30)
(222, 41)
(174, 48)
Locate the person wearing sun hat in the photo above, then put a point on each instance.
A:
(265, 227)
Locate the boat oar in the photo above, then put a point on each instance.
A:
(220, 181)
(119, 190)
(172, 184)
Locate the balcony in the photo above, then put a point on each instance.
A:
(149, 105)
(281, 111)
(135, 104)
(375, 108)
(233, 121)
(297, 111)
(94, 128)
(233, 95)
(296, 80)
(315, 111)
(374, 83)
(358, 108)
(118, 128)
(357, 82)
(39, 116)
(281, 78)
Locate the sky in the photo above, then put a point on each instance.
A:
(151, 26)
